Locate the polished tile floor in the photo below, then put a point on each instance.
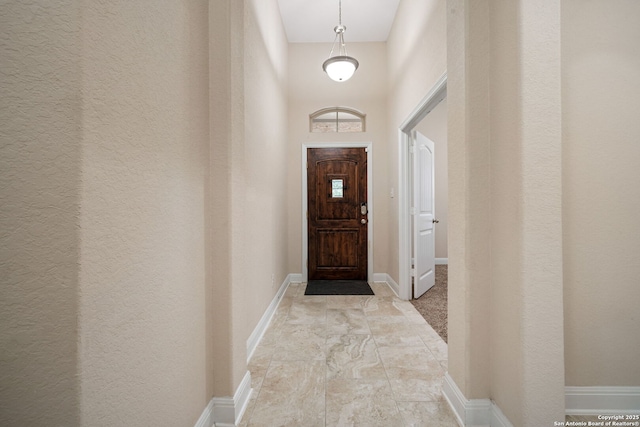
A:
(348, 361)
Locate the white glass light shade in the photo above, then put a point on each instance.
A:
(340, 68)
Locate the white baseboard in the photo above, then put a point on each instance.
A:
(393, 285)
(384, 277)
(206, 419)
(498, 419)
(455, 398)
(227, 411)
(602, 400)
(472, 413)
(578, 401)
(263, 324)
(379, 277)
(442, 261)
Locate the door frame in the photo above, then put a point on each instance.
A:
(437, 93)
(368, 146)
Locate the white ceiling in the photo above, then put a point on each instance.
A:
(308, 21)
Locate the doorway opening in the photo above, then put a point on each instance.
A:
(405, 198)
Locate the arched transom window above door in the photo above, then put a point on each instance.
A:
(337, 119)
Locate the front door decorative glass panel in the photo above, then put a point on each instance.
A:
(337, 186)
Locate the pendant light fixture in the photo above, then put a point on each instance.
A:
(340, 67)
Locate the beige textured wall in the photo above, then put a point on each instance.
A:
(248, 176)
(417, 57)
(142, 293)
(227, 316)
(526, 242)
(110, 201)
(506, 310)
(542, 337)
(265, 168)
(506, 210)
(39, 212)
(434, 127)
(310, 90)
(601, 200)
(469, 192)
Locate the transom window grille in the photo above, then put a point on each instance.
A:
(337, 119)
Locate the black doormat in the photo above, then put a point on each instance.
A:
(338, 287)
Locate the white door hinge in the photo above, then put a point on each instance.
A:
(413, 272)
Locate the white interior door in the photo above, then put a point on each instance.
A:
(423, 215)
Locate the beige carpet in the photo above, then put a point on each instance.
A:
(433, 304)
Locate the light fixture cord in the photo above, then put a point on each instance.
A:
(342, 48)
(334, 46)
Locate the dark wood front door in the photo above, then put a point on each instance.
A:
(337, 202)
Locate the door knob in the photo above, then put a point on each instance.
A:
(363, 221)
(435, 221)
